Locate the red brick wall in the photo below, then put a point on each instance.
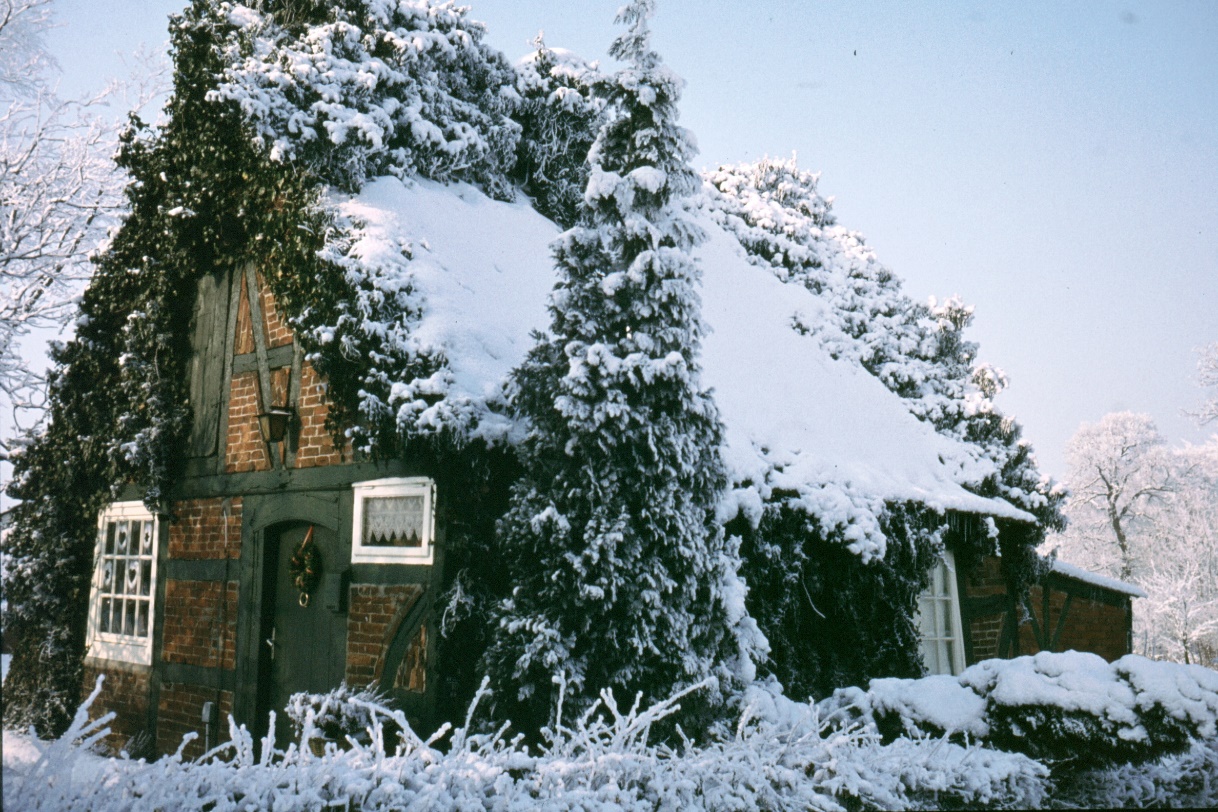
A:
(180, 711)
(125, 692)
(986, 632)
(277, 331)
(1092, 626)
(983, 581)
(198, 625)
(199, 530)
(315, 447)
(244, 449)
(374, 613)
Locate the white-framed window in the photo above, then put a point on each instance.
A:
(939, 628)
(122, 598)
(394, 521)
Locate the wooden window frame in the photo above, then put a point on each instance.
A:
(952, 596)
(110, 645)
(396, 486)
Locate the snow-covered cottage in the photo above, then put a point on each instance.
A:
(208, 610)
(870, 480)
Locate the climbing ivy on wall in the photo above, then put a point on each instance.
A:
(201, 200)
(209, 193)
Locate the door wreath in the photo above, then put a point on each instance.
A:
(305, 567)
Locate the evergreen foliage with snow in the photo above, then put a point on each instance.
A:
(362, 88)
(918, 351)
(805, 585)
(1071, 709)
(560, 117)
(616, 560)
(195, 208)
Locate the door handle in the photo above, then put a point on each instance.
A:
(270, 642)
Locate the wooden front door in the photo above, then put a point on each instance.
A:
(304, 647)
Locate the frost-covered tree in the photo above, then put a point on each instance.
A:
(615, 555)
(559, 116)
(1207, 376)
(59, 192)
(360, 88)
(1119, 471)
(1148, 514)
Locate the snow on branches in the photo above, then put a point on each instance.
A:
(367, 88)
(559, 116)
(618, 566)
(918, 351)
(59, 192)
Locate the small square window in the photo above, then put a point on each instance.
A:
(940, 634)
(394, 521)
(123, 592)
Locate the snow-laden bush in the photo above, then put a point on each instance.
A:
(780, 756)
(336, 714)
(1181, 781)
(1073, 709)
(368, 87)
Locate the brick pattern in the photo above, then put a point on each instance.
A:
(986, 632)
(1090, 625)
(199, 530)
(315, 447)
(125, 693)
(180, 711)
(244, 449)
(195, 616)
(277, 331)
(374, 613)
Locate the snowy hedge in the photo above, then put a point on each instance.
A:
(779, 757)
(779, 754)
(1073, 709)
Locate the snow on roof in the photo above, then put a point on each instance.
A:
(797, 420)
(1095, 579)
(484, 269)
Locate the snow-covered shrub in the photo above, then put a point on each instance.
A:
(369, 87)
(778, 757)
(559, 116)
(1073, 709)
(336, 714)
(1183, 781)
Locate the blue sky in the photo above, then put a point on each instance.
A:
(1054, 164)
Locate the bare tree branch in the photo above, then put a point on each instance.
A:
(60, 191)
